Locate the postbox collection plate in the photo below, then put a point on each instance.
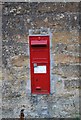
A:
(40, 64)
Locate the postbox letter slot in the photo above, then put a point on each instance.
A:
(39, 43)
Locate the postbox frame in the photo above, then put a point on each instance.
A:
(37, 35)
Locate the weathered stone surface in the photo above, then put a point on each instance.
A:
(62, 19)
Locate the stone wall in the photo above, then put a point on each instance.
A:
(63, 21)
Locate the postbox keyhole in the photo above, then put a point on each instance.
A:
(36, 79)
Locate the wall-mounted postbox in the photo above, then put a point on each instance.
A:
(40, 63)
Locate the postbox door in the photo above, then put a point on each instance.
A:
(40, 78)
(40, 64)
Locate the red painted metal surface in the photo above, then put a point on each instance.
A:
(40, 64)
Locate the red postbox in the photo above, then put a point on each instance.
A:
(40, 63)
